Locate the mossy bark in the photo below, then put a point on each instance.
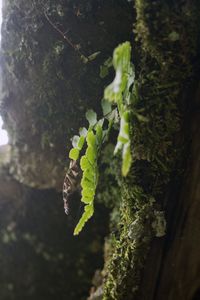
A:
(173, 264)
(167, 43)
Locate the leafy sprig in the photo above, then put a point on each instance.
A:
(93, 138)
(119, 92)
(117, 97)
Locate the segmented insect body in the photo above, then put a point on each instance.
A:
(70, 183)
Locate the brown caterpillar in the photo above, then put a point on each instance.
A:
(70, 183)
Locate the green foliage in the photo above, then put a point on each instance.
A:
(104, 69)
(117, 94)
(74, 154)
(91, 116)
(88, 212)
(123, 68)
(88, 162)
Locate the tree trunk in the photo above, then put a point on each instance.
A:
(173, 264)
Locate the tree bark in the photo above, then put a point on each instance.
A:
(173, 264)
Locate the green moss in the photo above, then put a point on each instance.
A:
(130, 249)
(162, 27)
(166, 43)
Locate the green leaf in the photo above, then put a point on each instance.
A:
(90, 175)
(122, 139)
(91, 139)
(131, 75)
(91, 116)
(88, 193)
(84, 59)
(113, 92)
(125, 116)
(87, 200)
(75, 141)
(124, 75)
(99, 133)
(123, 136)
(106, 107)
(81, 142)
(118, 147)
(83, 131)
(100, 122)
(93, 56)
(122, 56)
(89, 211)
(89, 208)
(126, 159)
(104, 69)
(141, 118)
(91, 154)
(74, 153)
(87, 184)
(108, 62)
(84, 163)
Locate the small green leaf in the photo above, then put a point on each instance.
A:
(87, 200)
(118, 147)
(74, 154)
(100, 122)
(88, 193)
(122, 82)
(89, 174)
(122, 56)
(126, 116)
(75, 141)
(99, 133)
(123, 136)
(83, 131)
(142, 118)
(87, 184)
(84, 59)
(125, 129)
(103, 71)
(93, 56)
(108, 62)
(106, 107)
(122, 139)
(81, 142)
(113, 92)
(126, 159)
(84, 163)
(91, 116)
(91, 139)
(91, 155)
(89, 211)
(89, 208)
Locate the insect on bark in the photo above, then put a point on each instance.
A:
(70, 183)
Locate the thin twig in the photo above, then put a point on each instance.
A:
(63, 35)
